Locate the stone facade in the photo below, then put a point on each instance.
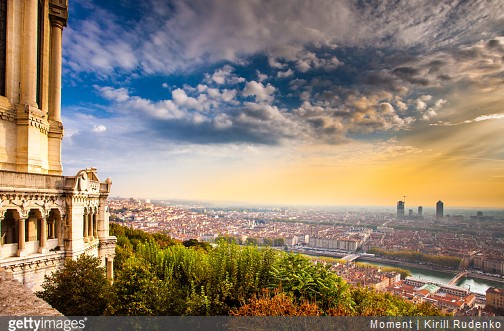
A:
(44, 217)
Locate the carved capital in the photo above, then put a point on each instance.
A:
(58, 13)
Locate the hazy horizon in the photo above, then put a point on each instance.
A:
(381, 208)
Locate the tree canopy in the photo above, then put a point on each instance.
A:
(80, 288)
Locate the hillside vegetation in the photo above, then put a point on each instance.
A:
(156, 275)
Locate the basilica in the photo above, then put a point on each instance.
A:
(45, 217)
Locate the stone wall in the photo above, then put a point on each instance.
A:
(17, 300)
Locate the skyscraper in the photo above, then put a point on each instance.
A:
(400, 209)
(420, 211)
(439, 210)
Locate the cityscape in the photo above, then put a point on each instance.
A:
(347, 233)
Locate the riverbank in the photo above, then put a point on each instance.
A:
(405, 265)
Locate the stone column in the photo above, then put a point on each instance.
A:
(21, 237)
(30, 139)
(52, 228)
(91, 227)
(110, 269)
(58, 15)
(60, 228)
(29, 54)
(55, 134)
(85, 234)
(95, 219)
(55, 72)
(43, 236)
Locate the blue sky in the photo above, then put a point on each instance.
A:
(319, 102)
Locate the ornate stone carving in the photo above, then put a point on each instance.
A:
(82, 181)
(58, 12)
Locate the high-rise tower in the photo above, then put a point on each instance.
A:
(400, 209)
(439, 210)
(44, 217)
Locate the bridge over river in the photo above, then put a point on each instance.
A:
(351, 257)
(457, 277)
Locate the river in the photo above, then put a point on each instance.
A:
(475, 285)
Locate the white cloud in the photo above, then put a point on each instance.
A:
(113, 94)
(283, 55)
(222, 121)
(180, 98)
(225, 75)
(261, 92)
(477, 119)
(228, 95)
(284, 74)
(420, 105)
(431, 111)
(489, 117)
(99, 128)
(261, 77)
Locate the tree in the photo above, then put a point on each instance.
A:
(138, 292)
(80, 288)
(251, 241)
(296, 274)
(194, 243)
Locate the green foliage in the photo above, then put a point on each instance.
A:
(368, 302)
(251, 241)
(278, 242)
(128, 239)
(138, 236)
(267, 242)
(197, 244)
(412, 256)
(210, 283)
(139, 292)
(403, 272)
(228, 239)
(298, 275)
(274, 242)
(80, 288)
(183, 279)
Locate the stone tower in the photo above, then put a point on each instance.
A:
(44, 217)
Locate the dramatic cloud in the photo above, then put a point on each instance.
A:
(182, 35)
(207, 115)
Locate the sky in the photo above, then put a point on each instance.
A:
(288, 102)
